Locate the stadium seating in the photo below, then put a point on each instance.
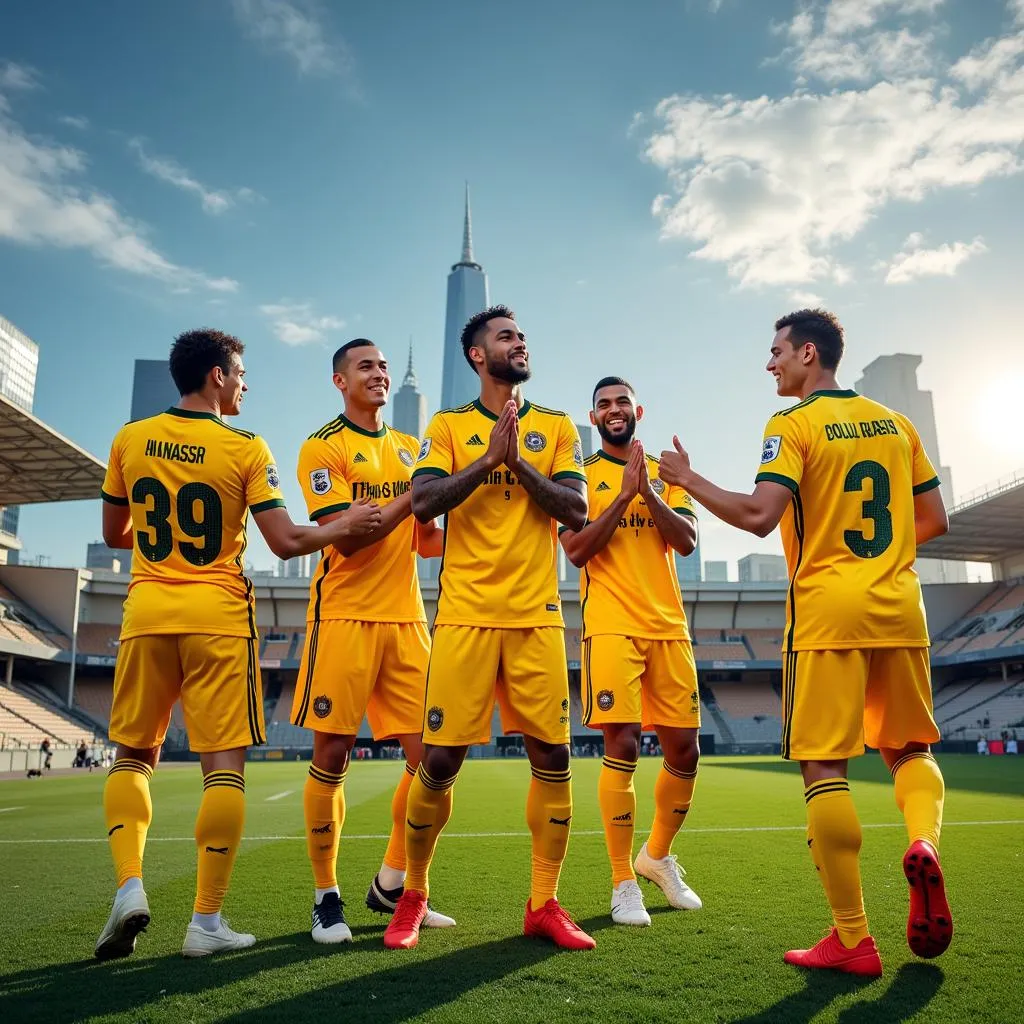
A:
(36, 719)
(970, 705)
(283, 708)
(275, 644)
(94, 697)
(98, 639)
(765, 644)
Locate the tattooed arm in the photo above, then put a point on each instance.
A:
(434, 496)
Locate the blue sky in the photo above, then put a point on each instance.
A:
(653, 184)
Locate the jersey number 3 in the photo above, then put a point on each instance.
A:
(158, 542)
(876, 508)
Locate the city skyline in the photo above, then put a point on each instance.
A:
(749, 159)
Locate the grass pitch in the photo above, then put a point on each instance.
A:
(743, 848)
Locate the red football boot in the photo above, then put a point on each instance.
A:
(830, 953)
(929, 924)
(552, 922)
(403, 931)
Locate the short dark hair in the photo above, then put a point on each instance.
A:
(819, 328)
(607, 382)
(195, 353)
(474, 324)
(342, 354)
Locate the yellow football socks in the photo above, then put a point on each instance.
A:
(427, 812)
(835, 834)
(617, 799)
(218, 835)
(323, 803)
(394, 855)
(128, 810)
(548, 813)
(673, 792)
(920, 793)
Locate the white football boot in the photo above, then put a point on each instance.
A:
(628, 904)
(668, 876)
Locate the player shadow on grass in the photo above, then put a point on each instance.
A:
(87, 988)
(913, 988)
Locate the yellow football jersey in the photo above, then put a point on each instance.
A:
(854, 467)
(342, 463)
(630, 588)
(190, 481)
(499, 567)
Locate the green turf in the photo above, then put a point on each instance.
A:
(724, 963)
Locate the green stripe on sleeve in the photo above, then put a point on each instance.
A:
(429, 471)
(569, 474)
(777, 478)
(113, 499)
(262, 506)
(928, 485)
(328, 510)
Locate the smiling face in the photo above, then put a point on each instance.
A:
(501, 351)
(230, 386)
(363, 378)
(790, 363)
(615, 414)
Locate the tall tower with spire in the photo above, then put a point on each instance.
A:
(409, 412)
(467, 294)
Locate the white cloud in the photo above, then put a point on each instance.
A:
(18, 76)
(806, 300)
(81, 123)
(990, 62)
(295, 29)
(170, 171)
(1017, 10)
(295, 323)
(41, 204)
(845, 16)
(771, 187)
(915, 261)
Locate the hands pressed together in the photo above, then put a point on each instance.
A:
(504, 441)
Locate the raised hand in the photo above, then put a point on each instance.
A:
(362, 517)
(635, 467)
(674, 466)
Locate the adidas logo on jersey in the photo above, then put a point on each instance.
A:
(602, 486)
(475, 440)
(360, 457)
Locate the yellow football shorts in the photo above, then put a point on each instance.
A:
(833, 702)
(351, 668)
(653, 682)
(471, 667)
(216, 677)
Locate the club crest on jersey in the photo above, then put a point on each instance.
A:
(435, 718)
(425, 448)
(535, 441)
(771, 449)
(606, 700)
(273, 480)
(320, 481)
(405, 457)
(322, 706)
(658, 486)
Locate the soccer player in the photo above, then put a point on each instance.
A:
(367, 644)
(852, 487)
(502, 472)
(178, 489)
(638, 667)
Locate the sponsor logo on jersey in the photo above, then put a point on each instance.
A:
(771, 449)
(322, 706)
(320, 481)
(435, 718)
(405, 456)
(606, 700)
(535, 441)
(425, 448)
(475, 441)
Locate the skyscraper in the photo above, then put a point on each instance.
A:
(688, 569)
(716, 572)
(586, 432)
(19, 362)
(153, 388)
(409, 412)
(758, 568)
(467, 294)
(892, 380)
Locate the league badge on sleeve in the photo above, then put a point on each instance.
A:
(320, 481)
(273, 480)
(577, 453)
(771, 449)
(425, 448)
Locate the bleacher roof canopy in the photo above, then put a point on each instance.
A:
(39, 465)
(986, 528)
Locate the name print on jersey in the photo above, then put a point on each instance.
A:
(375, 492)
(175, 452)
(863, 428)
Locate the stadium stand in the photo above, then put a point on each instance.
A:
(98, 638)
(27, 720)
(94, 697)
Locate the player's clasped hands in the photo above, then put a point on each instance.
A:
(634, 476)
(674, 465)
(363, 517)
(503, 446)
